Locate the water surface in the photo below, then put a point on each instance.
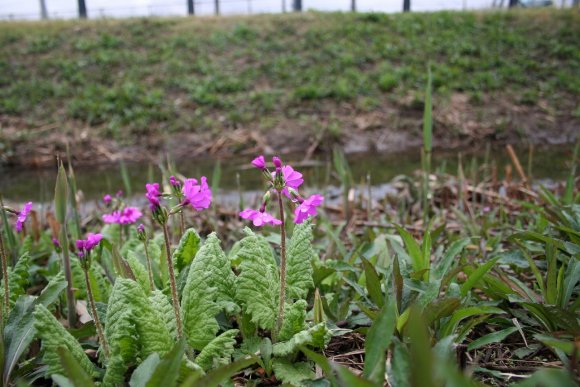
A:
(18, 185)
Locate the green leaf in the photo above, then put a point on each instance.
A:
(413, 248)
(73, 370)
(143, 373)
(566, 346)
(549, 377)
(316, 336)
(373, 283)
(139, 271)
(476, 275)
(60, 195)
(258, 284)
(19, 330)
(218, 352)
(128, 299)
(167, 371)
(162, 304)
(377, 341)
(338, 375)
(294, 320)
(464, 313)
(490, 338)
(198, 303)
(215, 377)
(441, 308)
(400, 366)
(54, 336)
(292, 373)
(420, 350)
(298, 264)
(186, 250)
(442, 267)
(570, 280)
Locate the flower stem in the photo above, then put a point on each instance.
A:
(150, 271)
(174, 298)
(95, 315)
(70, 296)
(282, 298)
(182, 220)
(5, 276)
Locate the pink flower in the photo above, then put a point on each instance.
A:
(292, 178)
(93, 240)
(128, 215)
(86, 245)
(259, 218)
(198, 195)
(153, 196)
(307, 208)
(259, 162)
(114, 217)
(22, 215)
(107, 199)
(277, 162)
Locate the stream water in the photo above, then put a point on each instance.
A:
(17, 185)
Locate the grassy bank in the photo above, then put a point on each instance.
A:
(496, 76)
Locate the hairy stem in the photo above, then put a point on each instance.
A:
(5, 276)
(174, 298)
(149, 270)
(95, 315)
(282, 298)
(182, 222)
(70, 296)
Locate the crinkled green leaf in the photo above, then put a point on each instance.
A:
(115, 372)
(140, 272)
(294, 316)
(292, 373)
(212, 257)
(186, 250)
(99, 284)
(18, 277)
(153, 335)
(258, 284)
(316, 336)
(162, 304)
(19, 330)
(218, 352)
(298, 264)
(54, 336)
(198, 306)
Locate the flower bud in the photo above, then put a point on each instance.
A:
(141, 233)
(259, 162)
(277, 162)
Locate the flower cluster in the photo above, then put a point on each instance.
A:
(153, 195)
(86, 245)
(22, 215)
(127, 215)
(198, 195)
(284, 180)
(190, 191)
